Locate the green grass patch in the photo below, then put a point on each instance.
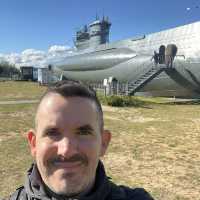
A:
(20, 90)
(15, 157)
(14, 161)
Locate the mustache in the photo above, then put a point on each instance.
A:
(75, 158)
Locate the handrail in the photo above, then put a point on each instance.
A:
(180, 56)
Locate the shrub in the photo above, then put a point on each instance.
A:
(132, 101)
(120, 101)
(116, 101)
(102, 98)
(8, 70)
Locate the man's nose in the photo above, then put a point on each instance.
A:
(67, 146)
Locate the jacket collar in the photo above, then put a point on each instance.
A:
(35, 187)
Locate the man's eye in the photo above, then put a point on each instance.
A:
(84, 132)
(51, 133)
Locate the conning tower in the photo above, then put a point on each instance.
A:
(93, 35)
(99, 32)
(82, 38)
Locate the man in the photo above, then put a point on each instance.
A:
(155, 58)
(67, 143)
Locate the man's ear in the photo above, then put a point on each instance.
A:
(106, 137)
(32, 142)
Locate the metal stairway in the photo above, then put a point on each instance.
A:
(154, 71)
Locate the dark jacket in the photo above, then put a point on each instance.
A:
(104, 189)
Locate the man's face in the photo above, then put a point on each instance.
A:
(68, 143)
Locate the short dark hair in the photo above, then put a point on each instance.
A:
(72, 88)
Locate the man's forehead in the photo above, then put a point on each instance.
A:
(63, 106)
(54, 100)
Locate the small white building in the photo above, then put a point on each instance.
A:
(44, 76)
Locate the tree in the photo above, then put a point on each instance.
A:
(8, 70)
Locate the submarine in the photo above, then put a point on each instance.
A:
(165, 63)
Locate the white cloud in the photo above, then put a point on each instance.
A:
(13, 58)
(2, 58)
(34, 57)
(58, 48)
(32, 52)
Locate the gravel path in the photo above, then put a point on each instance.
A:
(18, 102)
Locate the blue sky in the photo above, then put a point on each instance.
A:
(33, 31)
(39, 24)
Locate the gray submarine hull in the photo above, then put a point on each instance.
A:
(127, 60)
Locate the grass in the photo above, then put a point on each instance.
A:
(14, 157)
(20, 90)
(155, 147)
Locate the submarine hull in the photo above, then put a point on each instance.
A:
(127, 60)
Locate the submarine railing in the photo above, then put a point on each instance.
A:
(144, 76)
(136, 85)
(129, 88)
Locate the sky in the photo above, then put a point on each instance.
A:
(32, 30)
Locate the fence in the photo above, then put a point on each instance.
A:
(113, 88)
